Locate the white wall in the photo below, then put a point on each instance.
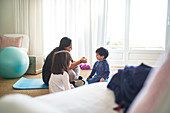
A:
(6, 17)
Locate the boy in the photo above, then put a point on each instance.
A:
(101, 67)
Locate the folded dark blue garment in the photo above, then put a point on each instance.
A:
(127, 83)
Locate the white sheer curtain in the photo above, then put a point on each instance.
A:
(81, 20)
(21, 13)
(28, 20)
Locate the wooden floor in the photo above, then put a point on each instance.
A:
(6, 84)
(6, 87)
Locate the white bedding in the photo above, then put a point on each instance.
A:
(93, 98)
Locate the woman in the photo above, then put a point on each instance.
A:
(74, 71)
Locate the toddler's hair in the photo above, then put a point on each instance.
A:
(60, 62)
(102, 52)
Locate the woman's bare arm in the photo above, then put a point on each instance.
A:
(75, 63)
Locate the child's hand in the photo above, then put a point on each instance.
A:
(88, 78)
(71, 85)
(83, 60)
(102, 80)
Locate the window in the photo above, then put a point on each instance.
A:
(136, 30)
(147, 25)
(115, 24)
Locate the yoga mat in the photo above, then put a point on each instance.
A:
(25, 83)
(35, 83)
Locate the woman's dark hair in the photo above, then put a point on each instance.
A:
(102, 52)
(64, 42)
(60, 62)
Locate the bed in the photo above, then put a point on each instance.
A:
(93, 98)
(96, 98)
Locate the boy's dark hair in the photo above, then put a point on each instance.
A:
(60, 62)
(64, 42)
(102, 52)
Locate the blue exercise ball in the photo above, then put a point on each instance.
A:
(14, 62)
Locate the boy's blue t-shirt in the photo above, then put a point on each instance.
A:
(101, 68)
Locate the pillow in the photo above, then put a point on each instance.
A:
(11, 41)
(154, 97)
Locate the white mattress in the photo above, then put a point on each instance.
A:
(93, 98)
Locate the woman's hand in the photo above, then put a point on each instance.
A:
(75, 63)
(83, 60)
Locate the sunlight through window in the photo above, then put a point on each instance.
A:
(116, 24)
(148, 24)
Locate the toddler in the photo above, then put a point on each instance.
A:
(100, 71)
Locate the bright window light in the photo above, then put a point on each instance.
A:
(148, 24)
(115, 32)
